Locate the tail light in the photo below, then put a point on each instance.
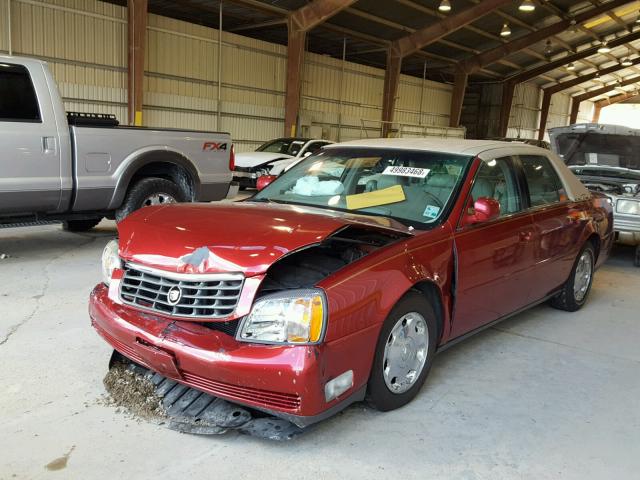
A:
(232, 158)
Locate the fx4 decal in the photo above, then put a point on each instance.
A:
(211, 146)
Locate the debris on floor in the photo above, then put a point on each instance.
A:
(150, 396)
(133, 392)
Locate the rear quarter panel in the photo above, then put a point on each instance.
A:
(104, 156)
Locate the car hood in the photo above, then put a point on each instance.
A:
(221, 237)
(254, 159)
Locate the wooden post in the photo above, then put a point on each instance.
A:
(508, 89)
(544, 113)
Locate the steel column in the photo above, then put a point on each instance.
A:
(299, 23)
(596, 114)
(544, 113)
(295, 57)
(391, 80)
(9, 43)
(219, 99)
(457, 97)
(508, 89)
(575, 109)
(137, 29)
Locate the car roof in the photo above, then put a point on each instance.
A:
(485, 150)
(458, 146)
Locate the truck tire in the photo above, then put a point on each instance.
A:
(150, 191)
(80, 225)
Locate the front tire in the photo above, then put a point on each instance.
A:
(147, 192)
(576, 289)
(404, 353)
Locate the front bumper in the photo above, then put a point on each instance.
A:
(246, 179)
(627, 228)
(286, 381)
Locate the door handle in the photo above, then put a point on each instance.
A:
(49, 144)
(526, 235)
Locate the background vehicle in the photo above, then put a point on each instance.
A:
(528, 141)
(365, 259)
(606, 158)
(273, 158)
(79, 168)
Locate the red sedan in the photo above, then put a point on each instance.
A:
(345, 276)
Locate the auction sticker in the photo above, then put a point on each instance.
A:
(406, 171)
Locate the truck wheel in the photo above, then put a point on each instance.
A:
(147, 192)
(636, 262)
(80, 225)
(576, 289)
(404, 353)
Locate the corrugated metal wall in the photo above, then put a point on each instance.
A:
(85, 42)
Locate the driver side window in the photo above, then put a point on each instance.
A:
(496, 179)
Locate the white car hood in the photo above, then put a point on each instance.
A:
(254, 159)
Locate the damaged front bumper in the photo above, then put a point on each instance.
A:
(285, 381)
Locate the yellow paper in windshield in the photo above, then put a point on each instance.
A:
(378, 197)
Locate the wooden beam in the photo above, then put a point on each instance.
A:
(473, 64)
(299, 23)
(137, 29)
(508, 89)
(575, 107)
(596, 114)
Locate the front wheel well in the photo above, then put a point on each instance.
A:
(432, 294)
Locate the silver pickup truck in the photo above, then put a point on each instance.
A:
(79, 168)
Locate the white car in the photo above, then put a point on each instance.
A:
(272, 158)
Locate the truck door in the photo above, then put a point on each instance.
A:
(30, 179)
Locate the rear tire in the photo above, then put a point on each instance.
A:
(150, 191)
(385, 391)
(80, 225)
(576, 290)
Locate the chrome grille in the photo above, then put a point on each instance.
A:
(201, 295)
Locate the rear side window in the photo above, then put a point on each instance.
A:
(18, 101)
(544, 183)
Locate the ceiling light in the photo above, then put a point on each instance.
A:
(445, 6)
(506, 31)
(548, 50)
(604, 48)
(527, 6)
(626, 62)
(571, 67)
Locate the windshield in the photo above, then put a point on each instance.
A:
(597, 149)
(414, 187)
(287, 146)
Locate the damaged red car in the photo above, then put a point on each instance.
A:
(344, 277)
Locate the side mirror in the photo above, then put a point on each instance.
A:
(265, 180)
(485, 210)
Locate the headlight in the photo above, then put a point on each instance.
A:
(110, 261)
(292, 317)
(629, 207)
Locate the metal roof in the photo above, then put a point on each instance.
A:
(369, 25)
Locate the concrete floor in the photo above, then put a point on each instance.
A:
(547, 394)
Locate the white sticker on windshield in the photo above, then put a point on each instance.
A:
(406, 171)
(431, 211)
